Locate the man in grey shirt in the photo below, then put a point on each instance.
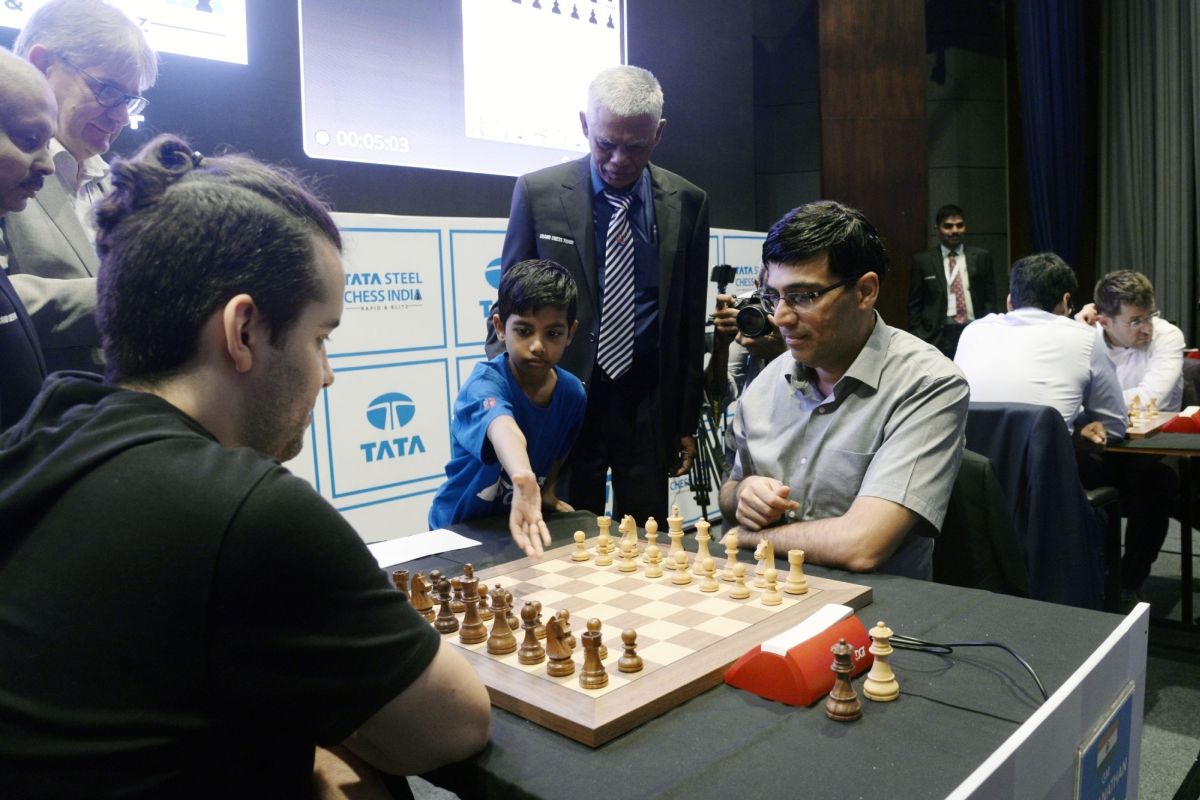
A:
(849, 449)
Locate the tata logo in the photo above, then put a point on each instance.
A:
(491, 273)
(391, 412)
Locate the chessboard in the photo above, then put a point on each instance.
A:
(686, 638)
(1145, 421)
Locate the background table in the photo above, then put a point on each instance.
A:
(1184, 446)
(953, 712)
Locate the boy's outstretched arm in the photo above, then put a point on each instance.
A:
(525, 521)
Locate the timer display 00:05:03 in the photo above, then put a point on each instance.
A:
(371, 141)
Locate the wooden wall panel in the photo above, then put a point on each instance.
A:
(873, 134)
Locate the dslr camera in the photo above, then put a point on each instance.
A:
(751, 315)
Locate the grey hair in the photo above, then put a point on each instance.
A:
(627, 92)
(90, 33)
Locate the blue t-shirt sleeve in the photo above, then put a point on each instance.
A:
(573, 410)
(482, 398)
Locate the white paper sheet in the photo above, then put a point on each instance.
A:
(419, 545)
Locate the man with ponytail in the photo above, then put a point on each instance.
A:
(182, 616)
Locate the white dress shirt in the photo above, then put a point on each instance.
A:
(1033, 356)
(1155, 372)
(960, 267)
(84, 182)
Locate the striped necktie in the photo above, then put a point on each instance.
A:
(615, 352)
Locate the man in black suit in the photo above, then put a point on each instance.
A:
(639, 348)
(949, 285)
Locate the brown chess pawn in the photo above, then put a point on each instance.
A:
(513, 622)
(842, 704)
(485, 611)
(473, 631)
(539, 627)
(446, 622)
(593, 674)
(631, 661)
(531, 651)
(456, 603)
(502, 640)
(400, 581)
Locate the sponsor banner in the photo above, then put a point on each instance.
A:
(475, 277)
(743, 251)
(412, 330)
(387, 427)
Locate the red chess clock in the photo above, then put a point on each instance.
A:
(793, 667)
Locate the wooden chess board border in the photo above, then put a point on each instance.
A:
(1145, 427)
(596, 720)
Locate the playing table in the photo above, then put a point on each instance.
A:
(955, 712)
(1184, 446)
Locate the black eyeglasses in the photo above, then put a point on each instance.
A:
(799, 301)
(107, 94)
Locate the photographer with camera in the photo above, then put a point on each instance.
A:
(744, 341)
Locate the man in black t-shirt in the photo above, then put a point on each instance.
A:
(179, 615)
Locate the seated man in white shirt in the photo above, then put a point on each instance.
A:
(1146, 349)
(1147, 352)
(1037, 354)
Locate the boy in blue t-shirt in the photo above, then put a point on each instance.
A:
(518, 414)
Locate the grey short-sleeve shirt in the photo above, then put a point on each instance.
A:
(892, 428)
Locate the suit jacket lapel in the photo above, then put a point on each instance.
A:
(61, 212)
(667, 213)
(576, 198)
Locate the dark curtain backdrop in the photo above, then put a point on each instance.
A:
(1051, 66)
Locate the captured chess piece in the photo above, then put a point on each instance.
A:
(531, 651)
(796, 582)
(446, 622)
(400, 581)
(473, 631)
(581, 553)
(630, 661)
(557, 649)
(881, 684)
(593, 674)
(843, 704)
(771, 597)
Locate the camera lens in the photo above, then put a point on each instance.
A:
(752, 321)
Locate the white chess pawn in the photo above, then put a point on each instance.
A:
(771, 597)
(681, 576)
(627, 557)
(654, 568)
(651, 538)
(709, 582)
(581, 553)
(739, 591)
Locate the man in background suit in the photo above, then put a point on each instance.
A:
(97, 62)
(640, 345)
(27, 114)
(949, 285)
